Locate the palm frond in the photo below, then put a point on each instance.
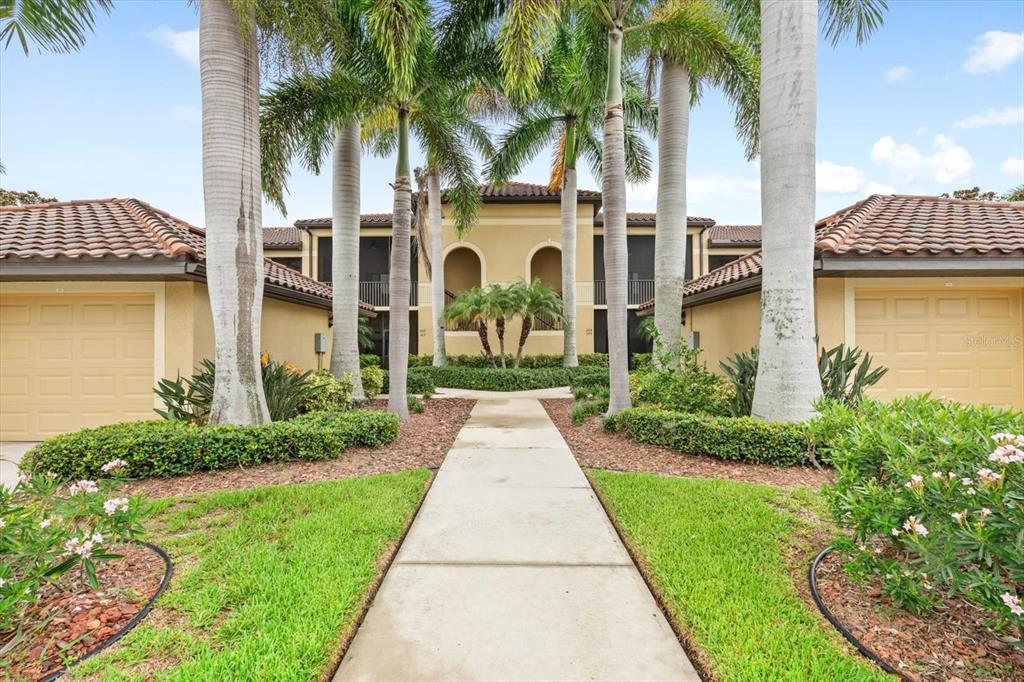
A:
(860, 17)
(526, 32)
(397, 29)
(519, 145)
(53, 25)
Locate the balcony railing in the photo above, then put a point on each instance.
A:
(637, 291)
(376, 294)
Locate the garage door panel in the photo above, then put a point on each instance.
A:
(964, 346)
(73, 361)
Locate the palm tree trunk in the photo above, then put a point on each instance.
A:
(437, 259)
(787, 374)
(229, 83)
(481, 330)
(345, 256)
(398, 286)
(670, 226)
(525, 334)
(613, 185)
(499, 329)
(568, 204)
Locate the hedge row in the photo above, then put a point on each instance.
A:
(487, 379)
(739, 438)
(172, 448)
(417, 382)
(527, 362)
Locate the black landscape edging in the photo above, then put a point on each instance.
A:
(812, 580)
(136, 619)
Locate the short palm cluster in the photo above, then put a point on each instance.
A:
(477, 308)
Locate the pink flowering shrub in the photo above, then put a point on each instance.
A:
(932, 493)
(53, 530)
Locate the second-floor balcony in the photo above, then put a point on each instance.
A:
(376, 294)
(637, 291)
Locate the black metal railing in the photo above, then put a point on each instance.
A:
(377, 294)
(637, 291)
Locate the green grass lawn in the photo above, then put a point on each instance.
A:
(267, 580)
(716, 552)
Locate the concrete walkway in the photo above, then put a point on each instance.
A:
(512, 571)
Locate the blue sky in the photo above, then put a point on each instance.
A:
(934, 102)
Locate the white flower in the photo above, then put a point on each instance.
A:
(2, 523)
(878, 550)
(895, 532)
(989, 476)
(912, 525)
(959, 516)
(862, 548)
(966, 481)
(985, 511)
(115, 504)
(1012, 601)
(96, 538)
(84, 486)
(45, 523)
(82, 548)
(1009, 439)
(916, 482)
(951, 475)
(2, 582)
(937, 474)
(1006, 454)
(113, 465)
(23, 478)
(969, 491)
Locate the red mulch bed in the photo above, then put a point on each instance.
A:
(422, 443)
(599, 449)
(67, 623)
(949, 643)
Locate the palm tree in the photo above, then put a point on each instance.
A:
(53, 25)
(229, 82)
(473, 308)
(504, 304)
(399, 77)
(691, 43)
(531, 301)
(787, 377)
(567, 112)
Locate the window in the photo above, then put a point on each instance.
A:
(719, 261)
(293, 262)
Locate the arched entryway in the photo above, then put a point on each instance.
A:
(462, 270)
(546, 264)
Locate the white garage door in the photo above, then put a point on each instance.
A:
(72, 361)
(962, 345)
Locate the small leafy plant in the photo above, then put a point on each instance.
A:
(53, 530)
(688, 388)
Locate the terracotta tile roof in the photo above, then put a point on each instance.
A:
(365, 220)
(282, 238)
(649, 219)
(120, 229)
(897, 226)
(521, 190)
(745, 235)
(923, 226)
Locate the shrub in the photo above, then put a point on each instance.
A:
(690, 389)
(736, 438)
(172, 448)
(489, 379)
(527, 362)
(327, 393)
(417, 382)
(589, 403)
(373, 381)
(845, 373)
(415, 405)
(189, 398)
(931, 492)
(50, 529)
(641, 361)
(370, 360)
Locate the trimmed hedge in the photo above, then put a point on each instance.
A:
(528, 361)
(369, 360)
(738, 438)
(172, 448)
(487, 379)
(417, 382)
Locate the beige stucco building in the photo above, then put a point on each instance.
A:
(933, 288)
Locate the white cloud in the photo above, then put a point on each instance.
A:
(878, 188)
(993, 117)
(831, 178)
(921, 130)
(185, 44)
(993, 51)
(709, 191)
(949, 161)
(897, 73)
(1013, 166)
